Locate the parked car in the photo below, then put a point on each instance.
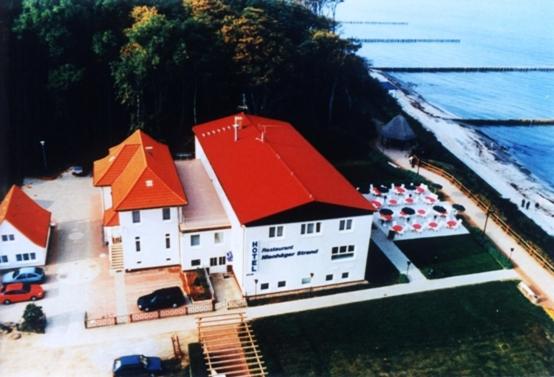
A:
(137, 365)
(17, 292)
(171, 297)
(25, 275)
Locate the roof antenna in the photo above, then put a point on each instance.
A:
(236, 126)
(243, 106)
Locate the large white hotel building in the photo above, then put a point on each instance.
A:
(257, 199)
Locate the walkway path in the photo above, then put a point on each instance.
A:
(533, 273)
(396, 256)
(422, 285)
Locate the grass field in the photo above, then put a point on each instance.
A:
(448, 256)
(485, 330)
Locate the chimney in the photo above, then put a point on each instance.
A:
(236, 126)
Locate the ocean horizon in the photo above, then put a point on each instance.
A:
(505, 33)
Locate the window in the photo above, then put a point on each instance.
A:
(222, 261)
(18, 257)
(275, 231)
(218, 237)
(11, 237)
(195, 240)
(137, 243)
(166, 214)
(33, 256)
(306, 280)
(25, 256)
(167, 241)
(341, 252)
(4, 237)
(310, 228)
(345, 275)
(195, 262)
(213, 261)
(264, 286)
(329, 277)
(281, 284)
(136, 216)
(4, 258)
(345, 224)
(8, 237)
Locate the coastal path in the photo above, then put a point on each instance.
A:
(529, 268)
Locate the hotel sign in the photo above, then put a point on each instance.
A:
(281, 252)
(255, 251)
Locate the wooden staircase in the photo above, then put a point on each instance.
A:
(116, 256)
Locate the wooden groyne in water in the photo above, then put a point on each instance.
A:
(506, 122)
(462, 69)
(406, 40)
(373, 22)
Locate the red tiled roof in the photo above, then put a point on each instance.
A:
(263, 178)
(26, 216)
(111, 217)
(141, 173)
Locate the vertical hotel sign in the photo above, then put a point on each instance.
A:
(255, 250)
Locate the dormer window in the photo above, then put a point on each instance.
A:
(149, 183)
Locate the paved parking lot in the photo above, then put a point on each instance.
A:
(78, 280)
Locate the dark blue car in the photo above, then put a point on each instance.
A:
(137, 365)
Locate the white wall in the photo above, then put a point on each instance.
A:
(237, 230)
(206, 250)
(293, 268)
(106, 197)
(151, 230)
(21, 244)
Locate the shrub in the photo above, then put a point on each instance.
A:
(34, 319)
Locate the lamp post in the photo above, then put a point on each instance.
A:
(489, 211)
(43, 146)
(311, 284)
(408, 263)
(511, 252)
(255, 287)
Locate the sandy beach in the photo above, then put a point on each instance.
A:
(480, 154)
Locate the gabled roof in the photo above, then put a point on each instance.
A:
(25, 215)
(141, 173)
(398, 129)
(269, 174)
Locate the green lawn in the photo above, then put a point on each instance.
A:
(484, 330)
(458, 255)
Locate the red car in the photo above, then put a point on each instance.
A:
(17, 292)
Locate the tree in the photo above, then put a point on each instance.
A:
(259, 50)
(141, 73)
(330, 53)
(34, 319)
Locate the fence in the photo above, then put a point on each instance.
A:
(112, 319)
(529, 247)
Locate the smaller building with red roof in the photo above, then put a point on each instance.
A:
(24, 231)
(142, 197)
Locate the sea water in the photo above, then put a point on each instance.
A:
(494, 33)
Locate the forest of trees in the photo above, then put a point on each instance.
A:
(82, 74)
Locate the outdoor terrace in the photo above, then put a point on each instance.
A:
(413, 212)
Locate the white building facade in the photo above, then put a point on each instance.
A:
(262, 204)
(24, 231)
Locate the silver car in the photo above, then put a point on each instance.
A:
(25, 275)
